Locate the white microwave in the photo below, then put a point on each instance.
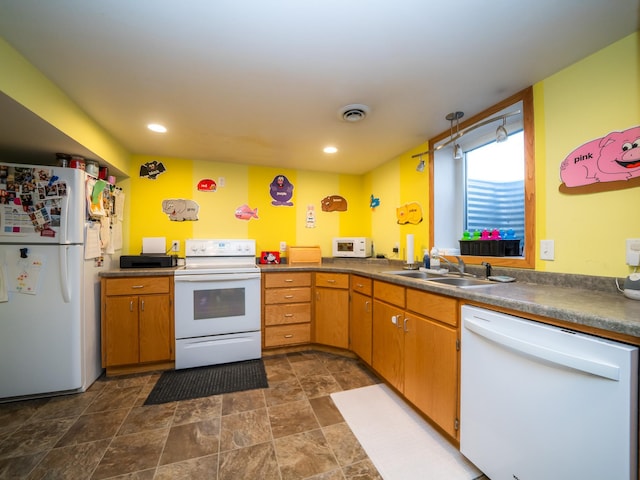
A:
(359, 247)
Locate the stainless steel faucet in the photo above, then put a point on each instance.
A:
(460, 267)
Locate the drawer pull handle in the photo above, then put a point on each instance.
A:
(359, 285)
(366, 307)
(331, 281)
(288, 296)
(131, 306)
(290, 335)
(142, 306)
(137, 286)
(288, 314)
(288, 280)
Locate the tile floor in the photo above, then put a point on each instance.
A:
(292, 430)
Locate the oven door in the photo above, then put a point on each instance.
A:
(215, 304)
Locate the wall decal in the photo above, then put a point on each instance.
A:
(152, 169)
(281, 190)
(180, 209)
(612, 158)
(245, 212)
(409, 213)
(334, 203)
(311, 217)
(207, 185)
(374, 202)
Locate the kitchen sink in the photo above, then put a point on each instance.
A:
(460, 281)
(414, 274)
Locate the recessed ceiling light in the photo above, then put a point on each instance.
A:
(330, 150)
(156, 127)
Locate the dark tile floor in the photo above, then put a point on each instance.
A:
(291, 430)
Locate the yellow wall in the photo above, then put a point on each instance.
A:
(239, 185)
(585, 101)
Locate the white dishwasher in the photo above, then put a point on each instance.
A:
(544, 403)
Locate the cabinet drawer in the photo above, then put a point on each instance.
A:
(137, 285)
(287, 295)
(287, 334)
(361, 284)
(288, 279)
(284, 314)
(332, 280)
(389, 293)
(444, 309)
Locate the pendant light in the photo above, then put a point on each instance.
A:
(421, 165)
(501, 132)
(457, 150)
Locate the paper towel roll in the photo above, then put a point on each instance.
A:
(410, 255)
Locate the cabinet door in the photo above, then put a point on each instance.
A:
(388, 343)
(155, 328)
(121, 330)
(360, 326)
(431, 370)
(332, 317)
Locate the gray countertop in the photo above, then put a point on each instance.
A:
(568, 298)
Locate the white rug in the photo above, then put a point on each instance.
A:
(398, 441)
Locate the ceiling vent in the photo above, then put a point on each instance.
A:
(353, 113)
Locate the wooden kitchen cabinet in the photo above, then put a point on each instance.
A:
(286, 308)
(432, 357)
(137, 323)
(361, 317)
(415, 349)
(388, 334)
(331, 320)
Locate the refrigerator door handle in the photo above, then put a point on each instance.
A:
(64, 274)
(65, 215)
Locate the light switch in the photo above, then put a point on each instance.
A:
(547, 250)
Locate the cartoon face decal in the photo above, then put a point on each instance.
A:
(630, 155)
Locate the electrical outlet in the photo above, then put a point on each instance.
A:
(283, 247)
(175, 246)
(633, 252)
(396, 248)
(547, 250)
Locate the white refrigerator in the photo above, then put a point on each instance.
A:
(49, 292)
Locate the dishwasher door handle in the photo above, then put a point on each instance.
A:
(611, 372)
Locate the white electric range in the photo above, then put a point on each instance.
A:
(217, 303)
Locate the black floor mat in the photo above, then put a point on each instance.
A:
(199, 382)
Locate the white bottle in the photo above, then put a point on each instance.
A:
(435, 260)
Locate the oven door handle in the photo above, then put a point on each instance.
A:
(234, 277)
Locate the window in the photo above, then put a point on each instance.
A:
(494, 187)
(459, 191)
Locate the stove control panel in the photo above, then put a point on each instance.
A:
(220, 248)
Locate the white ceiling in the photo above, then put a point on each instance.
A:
(261, 81)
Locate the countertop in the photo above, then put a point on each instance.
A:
(568, 298)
